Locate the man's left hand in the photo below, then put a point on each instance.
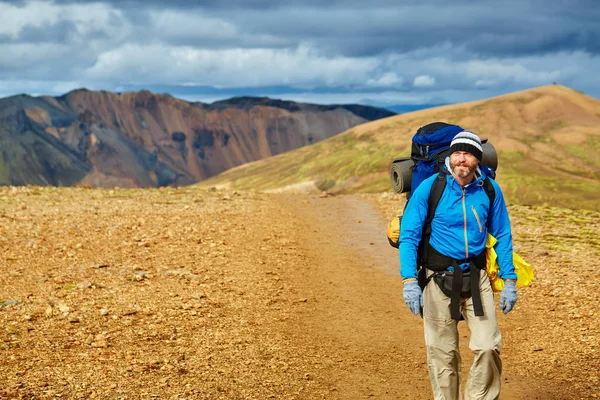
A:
(508, 296)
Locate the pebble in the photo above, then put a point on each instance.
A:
(64, 308)
(84, 285)
(140, 276)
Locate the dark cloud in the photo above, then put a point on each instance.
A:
(359, 28)
(64, 32)
(494, 30)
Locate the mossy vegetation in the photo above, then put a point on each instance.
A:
(552, 228)
(350, 158)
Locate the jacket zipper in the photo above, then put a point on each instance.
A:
(477, 218)
(465, 224)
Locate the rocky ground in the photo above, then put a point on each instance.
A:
(181, 293)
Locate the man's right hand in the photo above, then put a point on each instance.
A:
(413, 296)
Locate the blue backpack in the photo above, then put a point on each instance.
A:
(430, 147)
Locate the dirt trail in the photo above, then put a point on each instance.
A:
(189, 294)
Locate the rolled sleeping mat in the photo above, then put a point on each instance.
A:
(401, 174)
(490, 157)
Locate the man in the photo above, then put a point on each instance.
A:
(458, 235)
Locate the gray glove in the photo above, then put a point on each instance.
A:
(413, 296)
(508, 296)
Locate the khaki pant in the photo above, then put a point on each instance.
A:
(441, 338)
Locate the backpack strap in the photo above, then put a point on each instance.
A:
(434, 197)
(437, 189)
(491, 193)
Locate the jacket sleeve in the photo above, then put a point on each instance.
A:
(499, 227)
(411, 229)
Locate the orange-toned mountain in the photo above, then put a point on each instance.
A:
(141, 139)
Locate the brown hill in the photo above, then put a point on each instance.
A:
(547, 138)
(142, 139)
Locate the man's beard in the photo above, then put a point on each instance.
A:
(464, 171)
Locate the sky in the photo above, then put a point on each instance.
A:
(380, 52)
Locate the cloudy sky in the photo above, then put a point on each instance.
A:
(377, 51)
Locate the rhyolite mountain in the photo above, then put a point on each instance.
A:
(141, 139)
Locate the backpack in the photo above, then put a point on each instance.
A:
(430, 147)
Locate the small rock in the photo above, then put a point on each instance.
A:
(102, 344)
(84, 285)
(104, 312)
(9, 303)
(63, 308)
(140, 276)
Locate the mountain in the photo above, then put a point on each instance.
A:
(405, 108)
(547, 139)
(141, 139)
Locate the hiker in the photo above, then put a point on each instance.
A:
(453, 258)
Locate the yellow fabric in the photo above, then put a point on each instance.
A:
(393, 230)
(523, 270)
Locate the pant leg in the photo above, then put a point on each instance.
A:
(441, 338)
(484, 378)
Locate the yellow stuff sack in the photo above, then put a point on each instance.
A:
(523, 270)
(393, 232)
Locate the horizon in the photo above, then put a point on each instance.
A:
(299, 51)
(398, 108)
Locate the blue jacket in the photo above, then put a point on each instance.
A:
(458, 228)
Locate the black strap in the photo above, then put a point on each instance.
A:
(456, 289)
(437, 189)
(440, 262)
(491, 193)
(475, 292)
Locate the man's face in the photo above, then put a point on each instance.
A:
(463, 164)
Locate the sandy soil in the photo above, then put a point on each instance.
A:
(187, 294)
